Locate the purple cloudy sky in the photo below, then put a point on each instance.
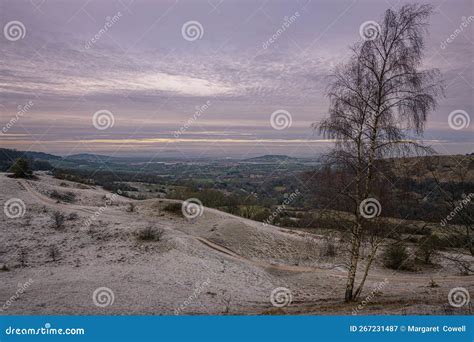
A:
(76, 59)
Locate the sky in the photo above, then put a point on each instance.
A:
(206, 78)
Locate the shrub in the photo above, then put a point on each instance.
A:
(395, 257)
(68, 197)
(150, 234)
(329, 248)
(58, 220)
(428, 247)
(130, 207)
(73, 216)
(174, 208)
(21, 169)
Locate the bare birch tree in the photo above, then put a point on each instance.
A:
(379, 102)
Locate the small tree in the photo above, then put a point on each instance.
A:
(375, 99)
(21, 169)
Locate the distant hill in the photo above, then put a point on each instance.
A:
(41, 160)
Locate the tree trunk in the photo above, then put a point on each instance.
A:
(355, 248)
(366, 272)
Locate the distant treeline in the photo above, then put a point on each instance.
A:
(36, 160)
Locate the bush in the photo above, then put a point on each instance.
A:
(174, 208)
(428, 247)
(21, 169)
(68, 197)
(130, 207)
(395, 257)
(329, 248)
(73, 216)
(58, 220)
(150, 234)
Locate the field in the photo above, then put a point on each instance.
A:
(147, 258)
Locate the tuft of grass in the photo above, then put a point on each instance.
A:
(58, 220)
(53, 252)
(150, 234)
(23, 257)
